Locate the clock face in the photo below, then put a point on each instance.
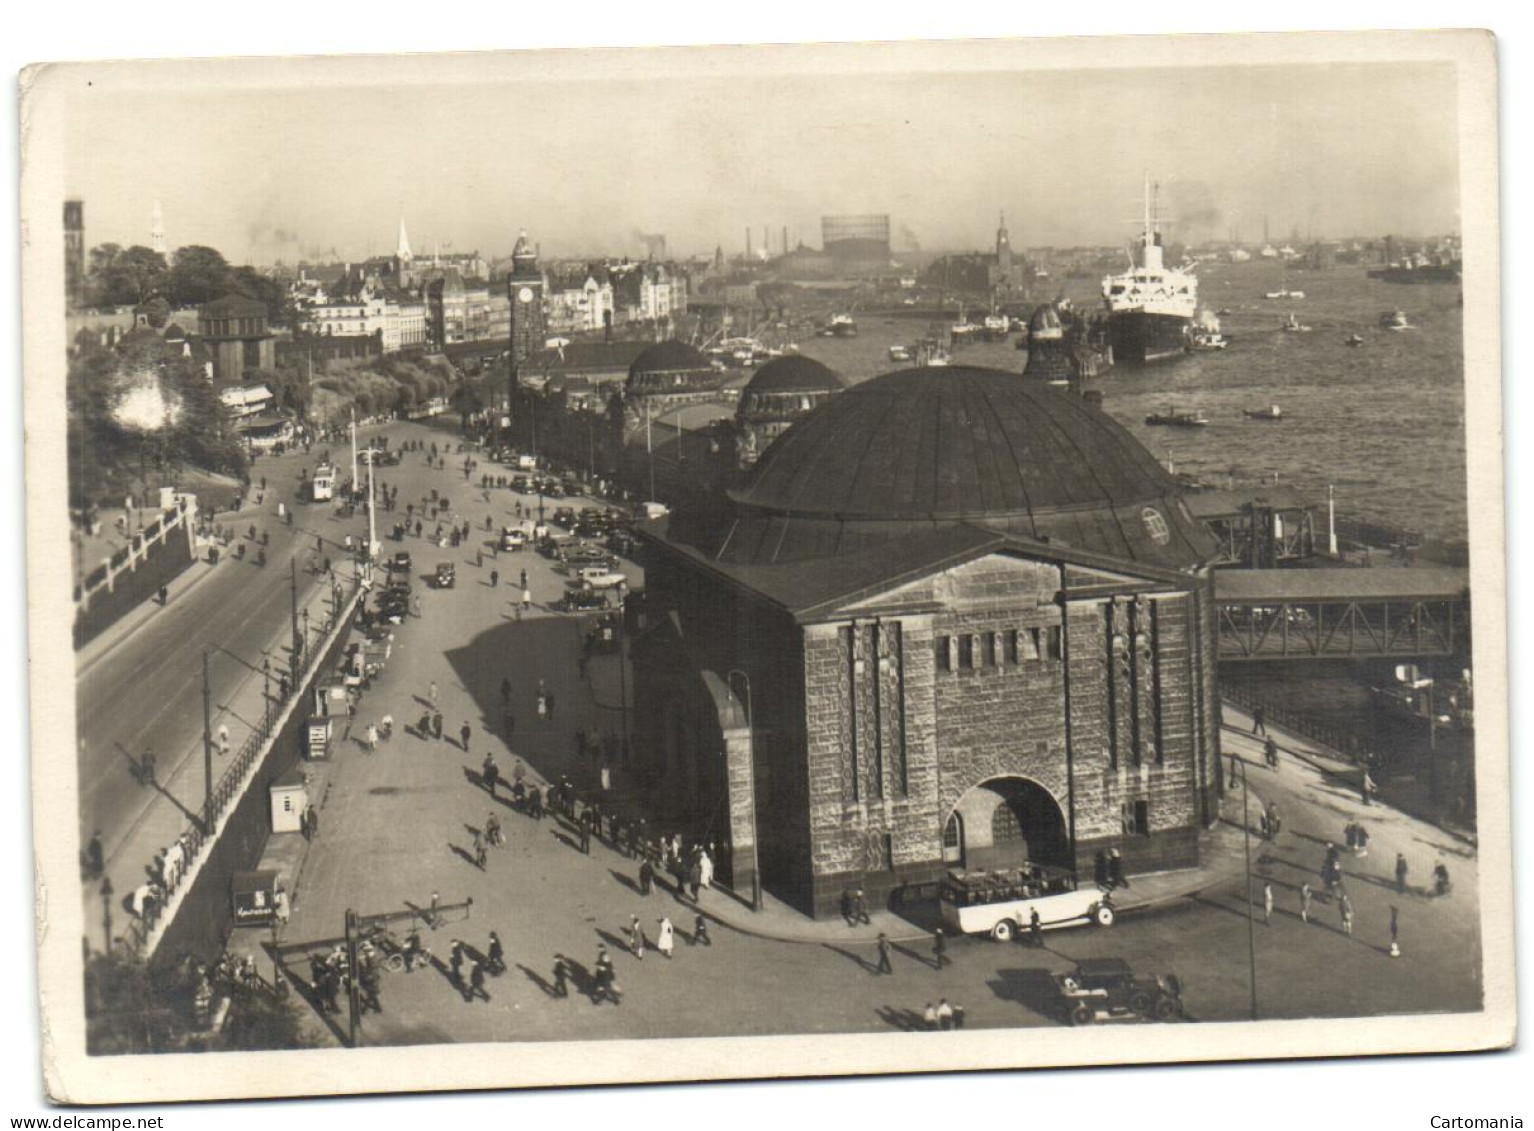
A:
(525, 294)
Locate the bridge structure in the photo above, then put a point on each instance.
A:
(1323, 614)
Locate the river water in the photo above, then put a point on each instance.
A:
(1383, 422)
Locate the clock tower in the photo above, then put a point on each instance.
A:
(525, 289)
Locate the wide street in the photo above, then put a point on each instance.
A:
(398, 825)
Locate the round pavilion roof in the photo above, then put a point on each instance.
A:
(795, 374)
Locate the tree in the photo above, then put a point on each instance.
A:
(198, 275)
(156, 311)
(138, 274)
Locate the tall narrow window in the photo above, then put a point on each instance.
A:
(945, 653)
(1055, 646)
(966, 651)
(989, 657)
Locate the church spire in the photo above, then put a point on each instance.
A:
(403, 251)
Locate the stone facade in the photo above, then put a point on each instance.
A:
(958, 693)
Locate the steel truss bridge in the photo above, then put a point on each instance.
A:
(1310, 614)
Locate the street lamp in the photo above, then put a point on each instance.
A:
(1251, 925)
(756, 875)
(266, 691)
(106, 912)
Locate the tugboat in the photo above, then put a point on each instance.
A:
(1272, 412)
(1292, 325)
(1149, 306)
(1173, 419)
(1395, 320)
(842, 326)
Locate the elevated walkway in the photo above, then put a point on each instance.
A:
(1278, 614)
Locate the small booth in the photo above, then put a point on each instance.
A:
(255, 898)
(289, 796)
(331, 700)
(317, 737)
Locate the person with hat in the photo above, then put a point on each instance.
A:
(665, 938)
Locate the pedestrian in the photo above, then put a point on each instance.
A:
(694, 880)
(1274, 823)
(223, 738)
(370, 738)
(585, 827)
(1258, 725)
(958, 1016)
(1100, 869)
(939, 949)
(527, 599)
(94, 857)
(523, 582)
(665, 937)
(481, 856)
(929, 1017)
(1305, 897)
(646, 876)
(432, 693)
(455, 963)
(606, 982)
(436, 723)
(944, 1015)
(314, 822)
(477, 983)
(1350, 836)
(1036, 929)
(493, 830)
(561, 973)
(495, 578)
(1395, 935)
(1267, 904)
(1345, 909)
(1400, 873)
(535, 803)
(1270, 753)
(489, 772)
(1362, 833)
(463, 734)
(700, 931)
(637, 938)
(884, 966)
(1365, 786)
(860, 906)
(548, 700)
(1116, 869)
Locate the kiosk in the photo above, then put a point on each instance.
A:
(255, 898)
(289, 796)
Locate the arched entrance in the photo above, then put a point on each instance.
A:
(1004, 823)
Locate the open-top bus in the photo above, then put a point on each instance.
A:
(1001, 903)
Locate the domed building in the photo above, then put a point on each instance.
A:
(1058, 349)
(784, 390)
(952, 619)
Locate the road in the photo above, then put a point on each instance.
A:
(143, 690)
(398, 825)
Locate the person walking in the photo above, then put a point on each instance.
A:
(884, 966)
(223, 738)
(1036, 929)
(432, 693)
(860, 906)
(695, 879)
(606, 983)
(495, 579)
(464, 733)
(929, 1018)
(370, 738)
(1305, 897)
(665, 938)
(944, 1015)
(436, 724)
(1395, 932)
(1267, 904)
(646, 876)
(493, 830)
(1270, 753)
(637, 938)
(1116, 869)
(939, 949)
(455, 962)
(1401, 873)
(477, 983)
(1345, 910)
(527, 599)
(700, 931)
(1258, 724)
(585, 826)
(481, 856)
(489, 772)
(561, 974)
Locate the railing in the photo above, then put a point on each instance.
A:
(140, 936)
(1344, 742)
(139, 543)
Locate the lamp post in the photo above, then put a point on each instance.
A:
(106, 913)
(306, 628)
(756, 875)
(293, 603)
(207, 747)
(266, 692)
(1251, 925)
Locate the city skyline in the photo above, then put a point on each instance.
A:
(1063, 154)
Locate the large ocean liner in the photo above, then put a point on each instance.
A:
(1151, 306)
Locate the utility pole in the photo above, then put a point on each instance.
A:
(293, 598)
(207, 748)
(354, 452)
(372, 518)
(1251, 924)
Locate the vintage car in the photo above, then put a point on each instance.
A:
(598, 577)
(513, 538)
(581, 600)
(400, 562)
(1106, 989)
(446, 575)
(1002, 903)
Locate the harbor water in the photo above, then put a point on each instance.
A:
(1383, 422)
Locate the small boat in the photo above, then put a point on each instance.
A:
(994, 328)
(1395, 320)
(1352, 340)
(1223, 312)
(1272, 412)
(900, 353)
(842, 326)
(1284, 293)
(1174, 419)
(1203, 341)
(1292, 325)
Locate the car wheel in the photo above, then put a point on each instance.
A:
(1082, 1014)
(1103, 916)
(1002, 931)
(1166, 1008)
(1140, 1002)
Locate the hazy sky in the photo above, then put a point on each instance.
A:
(583, 165)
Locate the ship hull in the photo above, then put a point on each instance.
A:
(1139, 338)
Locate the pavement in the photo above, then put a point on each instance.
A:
(398, 825)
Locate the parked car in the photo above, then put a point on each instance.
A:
(1001, 903)
(581, 600)
(1106, 989)
(400, 562)
(599, 577)
(564, 516)
(512, 539)
(446, 575)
